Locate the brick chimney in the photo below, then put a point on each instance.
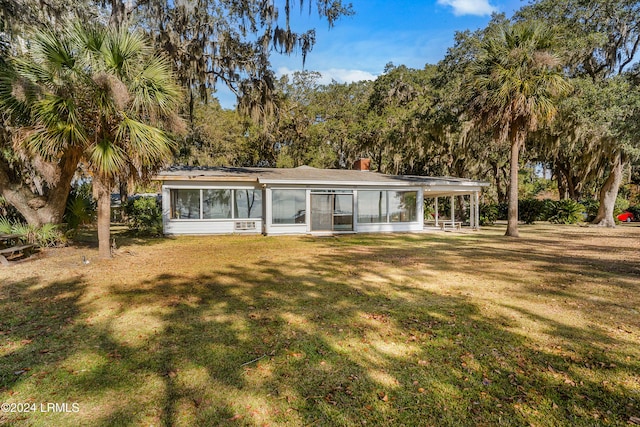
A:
(362, 164)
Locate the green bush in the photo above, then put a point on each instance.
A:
(81, 208)
(620, 206)
(144, 214)
(49, 235)
(548, 209)
(530, 210)
(567, 211)
(429, 212)
(503, 210)
(635, 210)
(591, 208)
(488, 214)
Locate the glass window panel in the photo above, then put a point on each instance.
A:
(343, 212)
(372, 206)
(402, 206)
(289, 206)
(185, 204)
(248, 204)
(321, 212)
(216, 204)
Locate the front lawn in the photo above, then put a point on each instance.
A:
(432, 329)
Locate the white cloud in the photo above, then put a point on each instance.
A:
(469, 7)
(341, 75)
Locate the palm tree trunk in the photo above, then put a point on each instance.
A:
(102, 193)
(608, 195)
(512, 216)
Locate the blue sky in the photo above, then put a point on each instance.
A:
(405, 32)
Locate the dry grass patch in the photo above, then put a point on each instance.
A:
(449, 329)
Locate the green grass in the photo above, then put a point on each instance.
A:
(433, 329)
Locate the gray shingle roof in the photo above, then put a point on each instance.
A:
(306, 175)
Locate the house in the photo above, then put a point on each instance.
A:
(303, 200)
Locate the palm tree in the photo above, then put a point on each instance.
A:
(515, 81)
(105, 94)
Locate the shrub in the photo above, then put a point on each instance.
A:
(81, 208)
(530, 210)
(144, 215)
(591, 208)
(49, 235)
(503, 211)
(429, 213)
(5, 225)
(635, 210)
(488, 214)
(567, 211)
(548, 209)
(620, 206)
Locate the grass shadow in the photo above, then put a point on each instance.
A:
(353, 330)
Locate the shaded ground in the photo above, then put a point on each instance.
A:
(433, 329)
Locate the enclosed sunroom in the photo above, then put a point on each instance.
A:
(301, 200)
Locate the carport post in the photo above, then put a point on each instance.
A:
(477, 200)
(453, 213)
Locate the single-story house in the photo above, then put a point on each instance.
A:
(303, 200)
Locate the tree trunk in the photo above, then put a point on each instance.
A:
(512, 216)
(608, 195)
(38, 209)
(102, 193)
(561, 178)
(119, 14)
(573, 192)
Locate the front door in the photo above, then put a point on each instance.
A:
(331, 212)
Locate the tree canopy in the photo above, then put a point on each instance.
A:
(100, 97)
(499, 100)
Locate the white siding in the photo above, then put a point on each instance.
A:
(209, 227)
(287, 229)
(264, 225)
(389, 227)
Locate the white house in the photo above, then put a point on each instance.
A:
(302, 200)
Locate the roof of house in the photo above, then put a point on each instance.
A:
(307, 175)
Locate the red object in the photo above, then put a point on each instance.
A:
(625, 217)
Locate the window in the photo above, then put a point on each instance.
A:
(185, 204)
(402, 206)
(216, 204)
(248, 204)
(289, 206)
(372, 206)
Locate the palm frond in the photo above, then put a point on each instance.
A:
(107, 158)
(154, 88)
(55, 49)
(122, 51)
(50, 142)
(147, 145)
(90, 37)
(517, 77)
(15, 94)
(58, 127)
(36, 72)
